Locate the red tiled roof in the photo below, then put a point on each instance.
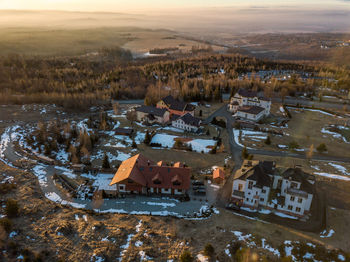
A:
(144, 172)
(218, 173)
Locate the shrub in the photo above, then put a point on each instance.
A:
(134, 145)
(186, 256)
(268, 140)
(11, 209)
(147, 138)
(208, 250)
(321, 148)
(293, 145)
(6, 224)
(245, 154)
(6, 188)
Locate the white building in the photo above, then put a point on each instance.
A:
(187, 122)
(246, 104)
(256, 185)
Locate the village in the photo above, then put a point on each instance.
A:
(190, 160)
(178, 154)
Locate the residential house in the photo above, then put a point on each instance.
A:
(247, 104)
(258, 185)
(175, 106)
(186, 122)
(141, 175)
(152, 114)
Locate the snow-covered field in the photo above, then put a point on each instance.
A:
(198, 145)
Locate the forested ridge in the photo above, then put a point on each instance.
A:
(80, 82)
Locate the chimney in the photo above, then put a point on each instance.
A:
(148, 163)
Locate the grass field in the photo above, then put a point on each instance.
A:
(57, 41)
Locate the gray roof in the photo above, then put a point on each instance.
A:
(251, 109)
(177, 105)
(152, 110)
(190, 120)
(297, 175)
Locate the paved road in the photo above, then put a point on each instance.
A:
(305, 102)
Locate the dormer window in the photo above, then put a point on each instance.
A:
(157, 182)
(176, 183)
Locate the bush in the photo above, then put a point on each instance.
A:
(268, 140)
(293, 145)
(321, 148)
(134, 145)
(6, 224)
(6, 188)
(11, 209)
(186, 256)
(208, 250)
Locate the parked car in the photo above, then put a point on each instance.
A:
(233, 207)
(197, 183)
(200, 192)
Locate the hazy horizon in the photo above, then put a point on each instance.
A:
(158, 5)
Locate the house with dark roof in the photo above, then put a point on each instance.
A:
(141, 175)
(248, 105)
(175, 106)
(151, 114)
(258, 185)
(254, 113)
(186, 122)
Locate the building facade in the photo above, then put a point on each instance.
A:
(247, 104)
(186, 122)
(257, 185)
(141, 175)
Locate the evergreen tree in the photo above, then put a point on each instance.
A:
(105, 163)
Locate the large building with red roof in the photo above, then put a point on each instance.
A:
(141, 175)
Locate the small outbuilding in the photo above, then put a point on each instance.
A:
(218, 175)
(124, 131)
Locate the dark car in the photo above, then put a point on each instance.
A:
(197, 183)
(233, 207)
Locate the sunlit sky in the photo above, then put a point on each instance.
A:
(139, 5)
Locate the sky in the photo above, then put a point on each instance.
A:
(141, 5)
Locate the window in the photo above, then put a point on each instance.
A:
(176, 183)
(250, 184)
(256, 193)
(254, 201)
(240, 187)
(157, 182)
(262, 200)
(150, 169)
(300, 200)
(130, 181)
(292, 198)
(263, 191)
(247, 199)
(297, 209)
(294, 185)
(290, 207)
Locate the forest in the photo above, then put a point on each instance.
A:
(80, 82)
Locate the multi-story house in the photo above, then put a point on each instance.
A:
(258, 185)
(247, 104)
(186, 122)
(141, 175)
(175, 106)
